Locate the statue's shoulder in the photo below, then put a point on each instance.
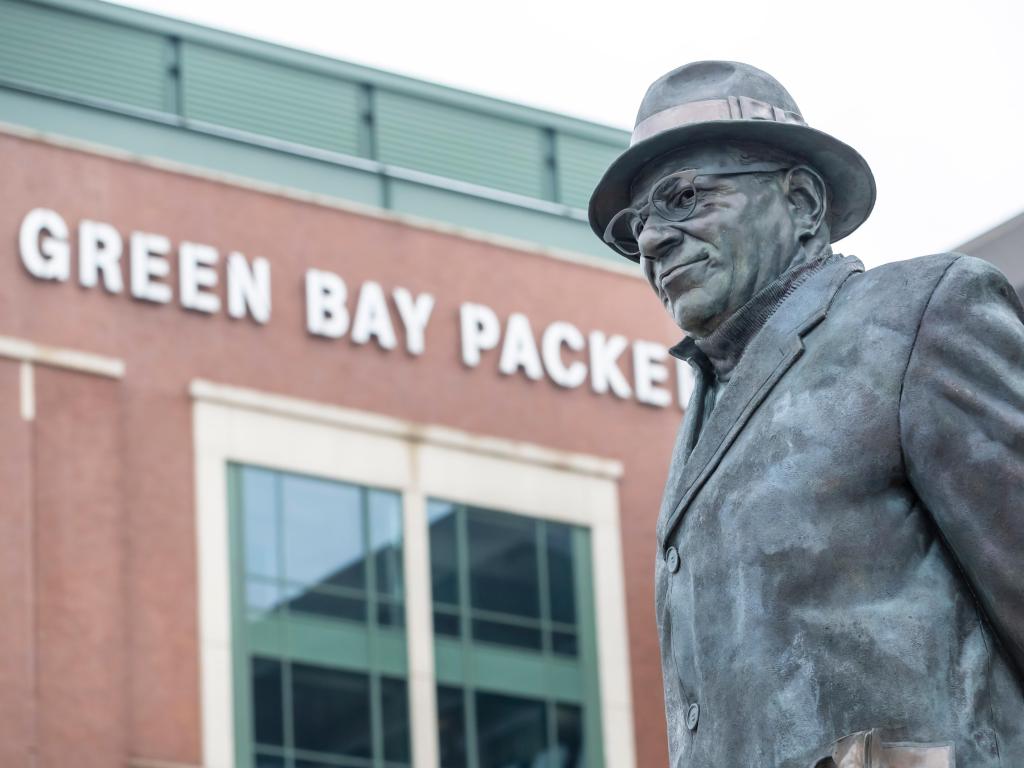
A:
(921, 270)
(893, 294)
(923, 274)
(897, 294)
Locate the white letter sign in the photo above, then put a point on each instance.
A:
(326, 314)
(414, 314)
(604, 367)
(556, 335)
(480, 331)
(196, 273)
(148, 263)
(248, 288)
(372, 318)
(47, 257)
(99, 251)
(649, 370)
(139, 264)
(519, 349)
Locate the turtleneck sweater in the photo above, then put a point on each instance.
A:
(724, 346)
(716, 355)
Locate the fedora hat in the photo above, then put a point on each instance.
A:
(729, 101)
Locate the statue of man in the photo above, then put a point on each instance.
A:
(840, 570)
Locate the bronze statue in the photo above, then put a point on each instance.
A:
(840, 571)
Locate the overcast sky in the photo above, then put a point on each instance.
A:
(929, 92)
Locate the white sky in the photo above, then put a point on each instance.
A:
(930, 93)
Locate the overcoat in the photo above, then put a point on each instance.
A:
(841, 542)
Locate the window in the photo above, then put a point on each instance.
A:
(315, 594)
(515, 645)
(320, 656)
(507, 731)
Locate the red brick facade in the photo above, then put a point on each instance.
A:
(98, 656)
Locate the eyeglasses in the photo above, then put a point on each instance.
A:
(674, 198)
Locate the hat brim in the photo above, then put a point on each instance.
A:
(847, 174)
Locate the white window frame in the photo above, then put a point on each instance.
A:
(232, 424)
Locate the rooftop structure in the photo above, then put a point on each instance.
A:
(163, 88)
(1003, 246)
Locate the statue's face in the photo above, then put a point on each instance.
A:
(739, 237)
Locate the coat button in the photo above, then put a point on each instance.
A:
(672, 559)
(692, 716)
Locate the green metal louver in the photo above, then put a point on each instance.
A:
(159, 87)
(82, 56)
(270, 99)
(580, 165)
(461, 144)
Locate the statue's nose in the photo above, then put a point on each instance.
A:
(658, 238)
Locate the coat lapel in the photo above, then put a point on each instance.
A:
(689, 430)
(771, 353)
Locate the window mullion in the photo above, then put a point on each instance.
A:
(462, 560)
(466, 628)
(543, 577)
(286, 666)
(279, 541)
(370, 580)
(551, 707)
(376, 720)
(289, 722)
(472, 746)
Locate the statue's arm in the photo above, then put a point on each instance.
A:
(962, 430)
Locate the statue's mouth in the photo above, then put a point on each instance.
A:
(669, 275)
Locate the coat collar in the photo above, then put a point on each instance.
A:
(726, 344)
(770, 354)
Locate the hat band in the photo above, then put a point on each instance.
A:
(732, 108)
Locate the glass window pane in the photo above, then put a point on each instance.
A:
(506, 634)
(323, 532)
(511, 732)
(261, 597)
(269, 761)
(446, 624)
(385, 509)
(267, 702)
(564, 643)
(443, 552)
(570, 737)
(394, 707)
(451, 725)
(503, 563)
(390, 614)
(259, 522)
(328, 605)
(331, 711)
(560, 573)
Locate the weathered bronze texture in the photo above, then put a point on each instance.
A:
(840, 571)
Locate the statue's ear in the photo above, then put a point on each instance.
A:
(807, 195)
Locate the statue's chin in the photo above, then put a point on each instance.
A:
(694, 323)
(696, 311)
